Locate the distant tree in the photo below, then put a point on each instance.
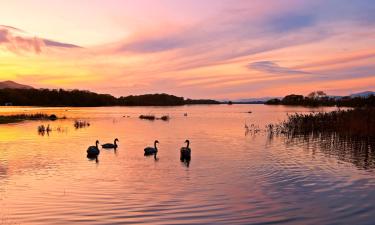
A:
(316, 95)
(200, 101)
(293, 99)
(60, 97)
(319, 98)
(274, 101)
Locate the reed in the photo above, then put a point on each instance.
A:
(81, 124)
(358, 122)
(21, 117)
(44, 129)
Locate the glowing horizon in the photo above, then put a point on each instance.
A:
(212, 49)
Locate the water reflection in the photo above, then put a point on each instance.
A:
(356, 150)
(93, 158)
(47, 130)
(185, 162)
(114, 150)
(149, 155)
(234, 179)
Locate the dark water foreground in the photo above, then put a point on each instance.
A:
(232, 178)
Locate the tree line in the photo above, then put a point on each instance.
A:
(319, 98)
(79, 98)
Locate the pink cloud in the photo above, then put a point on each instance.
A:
(16, 43)
(15, 40)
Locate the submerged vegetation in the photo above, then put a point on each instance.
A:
(22, 117)
(78, 98)
(354, 122)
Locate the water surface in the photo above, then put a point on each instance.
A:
(233, 177)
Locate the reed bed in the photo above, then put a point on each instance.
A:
(22, 117)
(357, 122)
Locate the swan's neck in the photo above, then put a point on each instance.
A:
(155, 146)
(96, 144)
(187, 144)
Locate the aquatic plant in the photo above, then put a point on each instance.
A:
(81, 124)
(44, 129)
(41, 129)
(22, 117)
(252, 129)
(358, 121)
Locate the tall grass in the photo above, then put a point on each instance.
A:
(358, 122)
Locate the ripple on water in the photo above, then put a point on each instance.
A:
(232, 178)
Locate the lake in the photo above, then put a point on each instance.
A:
(234, 176)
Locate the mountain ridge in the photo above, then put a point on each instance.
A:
(13, 85)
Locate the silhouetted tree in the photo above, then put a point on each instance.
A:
(60, 97)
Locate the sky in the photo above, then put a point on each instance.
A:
(220, 49)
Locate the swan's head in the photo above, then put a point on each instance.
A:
(97, 142)
(187, 141)
(156, 142)
(116, 140)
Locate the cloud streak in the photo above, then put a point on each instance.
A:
(240, 49)
(272, 67)
(15, 40)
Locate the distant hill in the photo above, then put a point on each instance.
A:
(13, 85)
(364, 94)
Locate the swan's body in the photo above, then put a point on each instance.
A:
(93, 151)
(185, 151)
(110, 145)
(152, 150)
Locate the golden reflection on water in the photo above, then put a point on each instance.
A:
(231, 179)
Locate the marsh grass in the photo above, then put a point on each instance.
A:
(355, 122)
(22, 117)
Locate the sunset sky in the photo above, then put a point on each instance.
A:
(222, 49)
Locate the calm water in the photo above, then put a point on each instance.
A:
(233, 178)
